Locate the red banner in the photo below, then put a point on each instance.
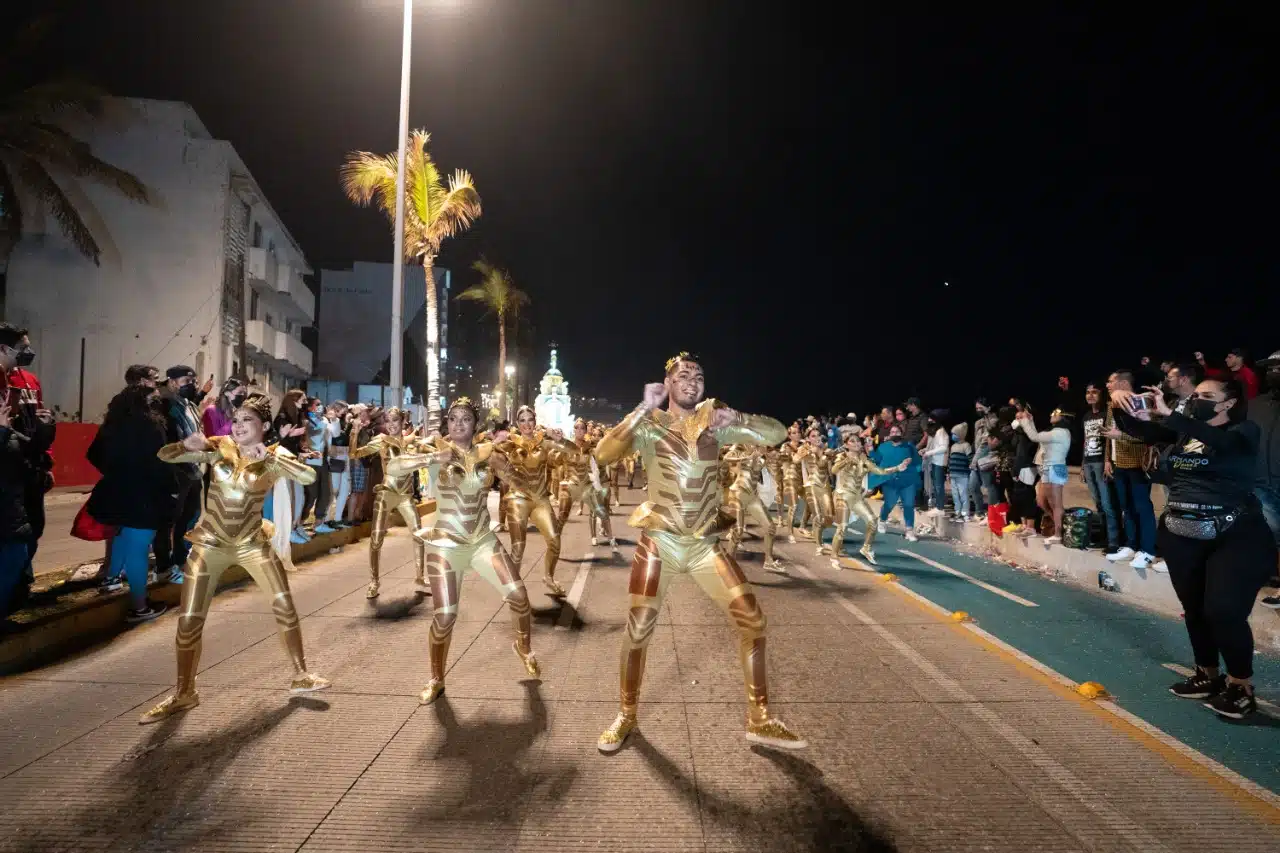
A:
(70, 468)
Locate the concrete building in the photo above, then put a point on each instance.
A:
(207, 275)
(354, 358)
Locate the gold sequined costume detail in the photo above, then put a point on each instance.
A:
(791, 484)
(393, 494)
(578, 487)
(851, 468)
(527, 498)
(815, 466)
(744, 500)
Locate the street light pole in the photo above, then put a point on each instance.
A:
(511, 371)
(397, 274)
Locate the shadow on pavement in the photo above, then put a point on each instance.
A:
(401, 608)
(809, 816)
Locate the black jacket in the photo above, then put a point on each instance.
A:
(136, 489)
(13, 481)
(1264, 410)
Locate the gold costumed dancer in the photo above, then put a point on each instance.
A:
(745, 503)
(815, 468)
(460, 541)
(582, 485)
(851, 469)
(232, 532)
(791, 481)
(393, 494)
(681, 523)
(773, 464)
(528, 494)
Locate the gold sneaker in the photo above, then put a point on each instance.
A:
(554, 589)
(773, 732)
(432, 692)
(372, 593)
(612, 738)
(175, 704)
(308, 683)
(530, 662)
(868, 555)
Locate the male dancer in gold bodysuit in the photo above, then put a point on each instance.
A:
(681, 525)
(791, 483)
(532, 455)
(578, 486)
(815, 466)
(744, 501)
(460, 540)
(393, 494)
(231, 532)
(851, 468)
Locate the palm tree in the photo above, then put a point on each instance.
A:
(433, 212)
(34, 149)
(499, 294)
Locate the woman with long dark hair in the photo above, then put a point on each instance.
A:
(1213, 534)
(136, 489)
(216, 419)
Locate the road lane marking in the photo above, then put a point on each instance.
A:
(574, 598)
(971, 579)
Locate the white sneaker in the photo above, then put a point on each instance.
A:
(1160, 566)
(791, 539)
(1053, 540)
(1121, 555)
(1141, 560)
(880, 527)
(594, 541)
(912, 537)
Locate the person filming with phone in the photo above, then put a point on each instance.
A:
(1218, 546)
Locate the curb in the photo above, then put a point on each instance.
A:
(91, 617)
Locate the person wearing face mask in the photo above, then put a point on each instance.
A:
(180, 394)
(217, 418)
(1213, 533)
(899, 487)
(1264, 410)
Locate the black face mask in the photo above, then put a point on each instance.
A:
(189, 392)
(237, 400)
(1201, 409)
(25, 356)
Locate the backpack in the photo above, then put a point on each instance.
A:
(1078, 524)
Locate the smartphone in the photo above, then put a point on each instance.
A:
(1141, 403)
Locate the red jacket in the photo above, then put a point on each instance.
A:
(1245, 376)
(20, 389)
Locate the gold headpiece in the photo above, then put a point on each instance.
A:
(526, 408)
(683, 355)
(465, 403)
(260, 405)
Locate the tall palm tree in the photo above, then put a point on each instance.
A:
(499, 294)
(35, 150)
(433, 213)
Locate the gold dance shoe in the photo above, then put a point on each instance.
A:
(175, 704)
(432, 692)
(773, 732)
(612, 738)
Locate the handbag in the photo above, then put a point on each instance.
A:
(88, 528)
(1199, 524)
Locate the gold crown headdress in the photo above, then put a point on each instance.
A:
(465, 403)
(260, 405)
(683, 355)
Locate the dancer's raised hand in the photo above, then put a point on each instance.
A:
(655, 394)
(724, 417)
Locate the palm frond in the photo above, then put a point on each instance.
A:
(10, 205)
(54, 146)
(496, 291)
(37, 179)
(58, 96)
(369, 178)
(459, 208)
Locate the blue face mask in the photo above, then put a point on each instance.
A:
(315, 416)
(955, 436)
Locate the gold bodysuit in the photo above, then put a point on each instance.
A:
(393, 494)
(577, 486)
(851, 468)
(744, 500)
(790, 485)
(528, 498)
(232, 532)
(680, 527)
(460, 541)
(815, 466)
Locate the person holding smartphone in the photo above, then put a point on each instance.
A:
(1218, 546)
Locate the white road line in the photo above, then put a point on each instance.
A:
(970, 578)
(1027, 748)
(574, 598)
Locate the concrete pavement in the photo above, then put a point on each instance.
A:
(925, 736)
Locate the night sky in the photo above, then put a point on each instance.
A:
(781, 188)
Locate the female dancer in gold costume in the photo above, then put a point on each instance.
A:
(791, 483)
(681, 525)
(851, 468)
(232, 532)
(744, 501)
(532, 455)
(460, 540)
(579, 486)
(393, 494)
(815, 466)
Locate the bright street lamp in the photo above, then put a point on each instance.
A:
(510, 371)
(397, 269)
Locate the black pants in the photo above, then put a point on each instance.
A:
(1022, 503)
(316, 495)
(1217, 582)
(170, 545)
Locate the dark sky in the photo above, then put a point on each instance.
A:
(783, 188)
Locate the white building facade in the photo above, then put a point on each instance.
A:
(206, 275)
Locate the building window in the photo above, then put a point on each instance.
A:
(271, 246)
(288, 327)
(257, 235)
(253, 305)
(271, 323)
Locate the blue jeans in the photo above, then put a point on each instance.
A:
(130, 556)
(960, 491)
(1101, 491)
(900, 490)
(1270, 500)
(939, 475)
(990, 485)
(1133, 492)
(977, 490)
(14, 557)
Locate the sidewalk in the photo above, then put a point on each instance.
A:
(924, 735)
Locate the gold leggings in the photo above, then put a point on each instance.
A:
(520, 510)
(817, 500)
(385, 503)
(446, 567)
(596, 501)
(659, 555)
(747, 505)
(204, 567)
(790, 497)
(848, 505)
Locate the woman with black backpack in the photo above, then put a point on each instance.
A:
(1213, 534)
